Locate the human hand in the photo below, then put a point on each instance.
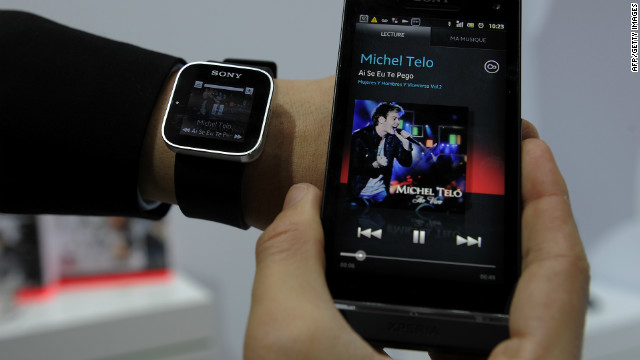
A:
(293, 315)
(549, 305)
(550, 302)
(292, 312)
(382, 161)
(403, 136)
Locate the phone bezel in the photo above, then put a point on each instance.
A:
(483, 297)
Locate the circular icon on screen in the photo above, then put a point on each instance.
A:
(491, 66)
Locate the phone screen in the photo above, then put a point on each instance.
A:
(421, 197)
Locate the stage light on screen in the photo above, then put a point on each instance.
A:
(428, 129)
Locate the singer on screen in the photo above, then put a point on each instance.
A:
(373, 151)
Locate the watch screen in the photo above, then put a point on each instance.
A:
(218, 110)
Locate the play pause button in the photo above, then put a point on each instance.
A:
(368, 233)
(469, 241)
(419, 236)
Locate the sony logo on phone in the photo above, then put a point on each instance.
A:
(226, 74)
(396, 327)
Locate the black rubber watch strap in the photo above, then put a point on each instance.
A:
(210, 189)
(269, 66)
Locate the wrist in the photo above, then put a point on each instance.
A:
(157, 161)
(294, 152)
(295, 148)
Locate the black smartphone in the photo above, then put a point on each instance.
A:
(421, 206)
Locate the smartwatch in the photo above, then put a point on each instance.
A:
(216, 121)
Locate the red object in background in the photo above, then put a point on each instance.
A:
(46, 293)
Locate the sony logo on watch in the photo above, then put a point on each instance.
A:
(226, 74)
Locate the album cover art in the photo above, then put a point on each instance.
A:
(408, 156)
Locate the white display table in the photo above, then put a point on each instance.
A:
(613, 324)
(172, 320)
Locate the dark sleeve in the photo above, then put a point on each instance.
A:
(74, 109)
(404, 157)
(364, 155)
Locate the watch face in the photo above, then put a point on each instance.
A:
(218, 110)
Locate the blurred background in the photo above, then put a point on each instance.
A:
(577, 89)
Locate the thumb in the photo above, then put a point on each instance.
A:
(292, 312)
(291, 245)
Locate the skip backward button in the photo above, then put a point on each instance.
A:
(369, 233)
(469, 241)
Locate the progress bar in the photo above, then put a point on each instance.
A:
(361, 256)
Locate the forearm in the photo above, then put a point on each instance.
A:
(99, 143)
(72, 123)
(295, 149)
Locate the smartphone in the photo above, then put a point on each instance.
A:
(421, 207)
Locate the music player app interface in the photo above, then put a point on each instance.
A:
(217, 111)
(422, 176)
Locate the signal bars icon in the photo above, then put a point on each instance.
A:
(469, 241)
(369, 233)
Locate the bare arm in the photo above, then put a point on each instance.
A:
(295, 149)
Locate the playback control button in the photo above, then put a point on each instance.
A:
(468, 241)
(368, 233)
